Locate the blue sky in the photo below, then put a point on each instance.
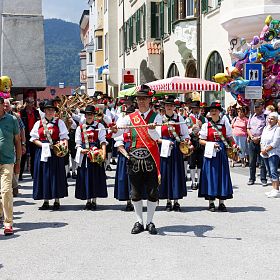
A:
(69, 10)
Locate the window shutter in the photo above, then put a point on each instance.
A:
(154, 22)
(144, 21)
(204, 6)
(125, 36)
(169, 15)
(130, 32)
(137, 16)
(172, 13)
(162, 19)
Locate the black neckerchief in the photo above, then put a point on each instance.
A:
(90, 125)
(169, 118)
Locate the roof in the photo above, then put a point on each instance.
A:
(46, 94)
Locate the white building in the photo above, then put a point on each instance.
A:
(223, 25)
(157, 39)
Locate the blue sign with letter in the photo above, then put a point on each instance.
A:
(253, 73)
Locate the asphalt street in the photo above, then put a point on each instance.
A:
(194, 244)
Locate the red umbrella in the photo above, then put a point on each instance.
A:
(182, 85)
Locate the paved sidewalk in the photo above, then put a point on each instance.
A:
(194, 244)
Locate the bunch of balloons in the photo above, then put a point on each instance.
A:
(264, 49)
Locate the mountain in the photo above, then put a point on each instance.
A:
(62, 47)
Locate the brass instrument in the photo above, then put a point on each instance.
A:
(95, 155)
(232, 153)
(185, 148)
(60, 150)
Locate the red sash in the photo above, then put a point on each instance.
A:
(143, 134)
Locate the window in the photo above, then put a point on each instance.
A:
(83, 63)
(90, 82)
(99, 75)
(99, 45)
(157, 19)
(190, 8)
(173, 71)
(106, 46)
(214, 65)
(90, 57)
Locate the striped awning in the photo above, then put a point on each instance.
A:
(183, 84)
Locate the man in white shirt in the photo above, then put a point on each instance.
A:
(144, 158)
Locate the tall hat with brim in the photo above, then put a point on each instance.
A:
(195, 104)
(144, 91)
(89, 109)
(169, 100)
(57, 99)
(50, 104)
(215, 105)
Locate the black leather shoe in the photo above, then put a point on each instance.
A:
(56, 206)
(108, 168)
(168, 206)
(45, 206)
(212, 207)
(194, 186)
(93, 206)
(137, 228)
(88, 206)
(129, 207)
(151, 228)
(222, 208)
(177, 207)
(74, 175)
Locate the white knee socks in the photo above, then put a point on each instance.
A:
(138, 208)
(193, 175)
(151, 208)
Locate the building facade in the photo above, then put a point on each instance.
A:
(22, 56)
(156, 39)
(223, 24)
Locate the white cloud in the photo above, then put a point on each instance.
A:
(69, 10)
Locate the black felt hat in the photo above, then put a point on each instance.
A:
(195, 104)
(144, 91)
(215, 105)
(89, 109)
(169, 100)
(50, 104)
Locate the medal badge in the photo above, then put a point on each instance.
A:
(136, 120)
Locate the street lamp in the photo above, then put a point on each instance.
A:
(106, 73)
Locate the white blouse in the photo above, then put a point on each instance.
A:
(183, 126)
(204, 129)
(101, 134)
(125, 121)
(63, 132)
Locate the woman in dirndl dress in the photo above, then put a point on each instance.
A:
(173, 183)
(215, 181)
(122, 185)
(49, 180)
(91, 177)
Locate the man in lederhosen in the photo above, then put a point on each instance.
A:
(144, 159)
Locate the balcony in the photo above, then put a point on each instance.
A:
(246, 18)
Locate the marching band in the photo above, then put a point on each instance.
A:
(154, 139)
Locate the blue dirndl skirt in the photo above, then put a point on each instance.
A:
(91, 180)
(173, 182)
(49, 179)
(215, 181)
(122, 186)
